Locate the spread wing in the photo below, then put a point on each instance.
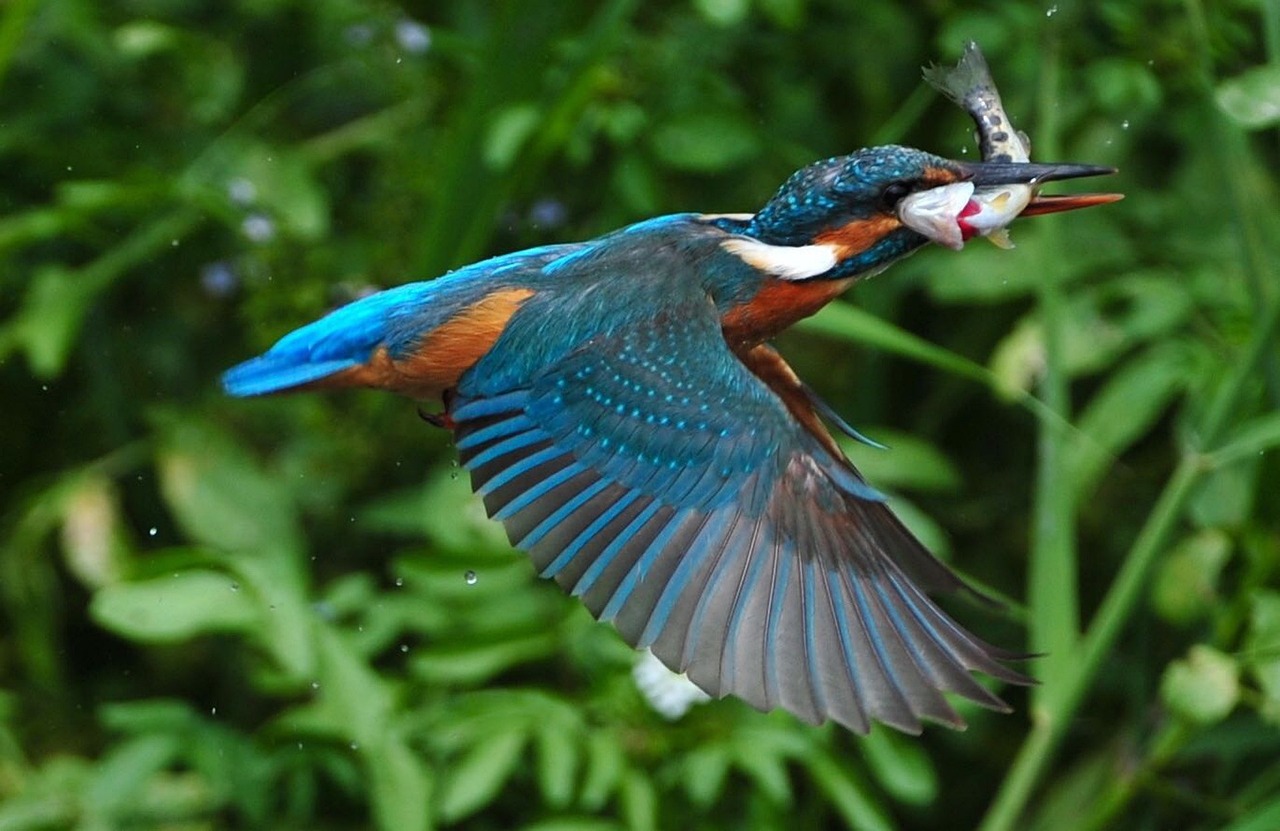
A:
(674, 489)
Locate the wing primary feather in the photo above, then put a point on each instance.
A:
(756, 558)
(611, 551)
(811, 652)
(711, 619)
(640, 567)
(659, 572)
(974, 653)
(857, 719)
(887, 702)
(473, 438)
(477, 408)
(508, 445)
(704, 591)
(597, 525)
(946, 669)
(516, 469)
(561, 513)
(566, 473)
(679, 579)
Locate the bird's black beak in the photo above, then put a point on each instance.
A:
(983, 174)
(990, 174)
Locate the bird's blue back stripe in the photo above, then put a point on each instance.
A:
(724, 560)
(562, 513)
(568, 259)
(592, 574)
(572, 549)
(534, 493)
(497, 430)
(781, 581)
(810, 602)
(506, 446)
(481, 407)
(707, 540)
(519, 468)
(641, 566)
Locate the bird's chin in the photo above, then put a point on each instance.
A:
(937, 213)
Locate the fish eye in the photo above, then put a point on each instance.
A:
(893, 193)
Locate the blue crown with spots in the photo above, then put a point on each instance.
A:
(830, 192)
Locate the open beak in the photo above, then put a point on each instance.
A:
(989, 174)
(991, 195)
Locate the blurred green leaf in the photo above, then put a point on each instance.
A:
(1185, 587)
(476, 778)
(1262, 650)
(901, 766)
(1252, 98)
(850, 797)
(1203, 687)
(401, 786)
(509, 133)
(709, 142)
(219, 496)
(1125, 408)
(557, 764)
(909, 463)
(639, 802)
(174, 608)
(603, 767)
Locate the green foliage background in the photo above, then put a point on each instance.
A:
(255, 614)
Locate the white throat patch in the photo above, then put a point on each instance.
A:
(787, 262)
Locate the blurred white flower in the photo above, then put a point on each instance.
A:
(671, 694)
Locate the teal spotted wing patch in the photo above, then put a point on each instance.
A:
(652, 475)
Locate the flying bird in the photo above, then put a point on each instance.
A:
(622, 413)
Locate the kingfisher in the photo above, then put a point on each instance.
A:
(622, 413)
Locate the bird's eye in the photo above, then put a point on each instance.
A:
(893, 193)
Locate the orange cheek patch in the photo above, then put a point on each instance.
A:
(443, 354)
(937, 176)
(857, 236)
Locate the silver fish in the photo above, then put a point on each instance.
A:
(969, 84)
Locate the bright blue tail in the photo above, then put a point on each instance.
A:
(276, 373)
(345, 338)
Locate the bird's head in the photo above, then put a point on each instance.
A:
(857, 214)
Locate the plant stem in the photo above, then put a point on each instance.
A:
(1051, 574)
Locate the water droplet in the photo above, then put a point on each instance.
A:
(213, 711)
(235, 587)
(470, 577)
(1051, 12)
(152, 531)
(404, 647)
(399, 581)
(1124, 125)
(315, 685)
(355, 746)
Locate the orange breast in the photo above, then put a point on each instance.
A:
(777, 305)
